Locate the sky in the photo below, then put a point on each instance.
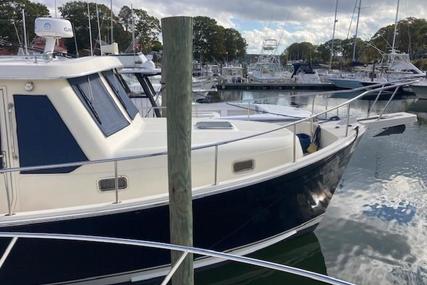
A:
(288, 21)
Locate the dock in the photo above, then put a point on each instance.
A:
(277, 86)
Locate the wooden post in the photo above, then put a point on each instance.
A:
(177, 71)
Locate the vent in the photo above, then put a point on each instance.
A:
(109, 184)
(214, 125)
(245, 165)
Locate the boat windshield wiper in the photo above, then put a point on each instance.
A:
(89, 103)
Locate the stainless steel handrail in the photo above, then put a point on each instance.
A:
(405, 81)
(180, 248)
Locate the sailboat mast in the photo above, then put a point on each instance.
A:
(133, 30)
(357, 31)
(393, 49)
(333, 35)
(99, 26)
(112, 30)
(25, 32)
(90, 29)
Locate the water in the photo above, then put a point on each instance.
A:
(375, 229)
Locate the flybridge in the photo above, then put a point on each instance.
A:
(41, 68)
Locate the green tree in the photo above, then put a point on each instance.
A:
(76, 12)
(324, 50)
(214, 43)
(147, 28)
(203, 30)
(411, 37)
(11, 27)
(125, 17)
(234, 44)
(301, 51)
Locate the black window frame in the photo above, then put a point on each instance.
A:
(102, 119)
(119, 91)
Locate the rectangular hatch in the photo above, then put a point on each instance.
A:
(214, 125)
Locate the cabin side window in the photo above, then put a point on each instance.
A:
(99, 103)
(120, 92)
(43, 137)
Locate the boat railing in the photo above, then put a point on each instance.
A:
(250, 104)
(216, 146)
(184, 250)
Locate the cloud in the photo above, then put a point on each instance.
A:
(287, 20)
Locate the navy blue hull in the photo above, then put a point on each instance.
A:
(222, 222)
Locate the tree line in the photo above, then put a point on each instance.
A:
(411, 38)
(212, 42)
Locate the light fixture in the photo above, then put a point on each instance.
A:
(29, 86)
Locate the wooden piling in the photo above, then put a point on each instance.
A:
(177, 72)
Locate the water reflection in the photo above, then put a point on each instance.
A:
(403, 213)
(303, 252)
(375, 229)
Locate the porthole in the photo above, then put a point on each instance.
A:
(245, 165)
(109, 184)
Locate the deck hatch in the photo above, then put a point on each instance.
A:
(214, 125)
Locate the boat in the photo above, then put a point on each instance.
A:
(420, 88)
(149, 102)
(303, 73)
(231, 74)
(393, 66)
(78, 159)
(268, 69)
(138, 61)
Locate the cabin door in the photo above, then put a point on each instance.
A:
(9, 154)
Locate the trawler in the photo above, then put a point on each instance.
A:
(79, 159)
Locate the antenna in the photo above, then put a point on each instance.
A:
(133, 30)
(112, 26)
(357, 30)
(17, 34)
(90, 29)
(99, 27)
(56, 16)
(393, 49)
(25, 32)
(75, 41)
(333, 35)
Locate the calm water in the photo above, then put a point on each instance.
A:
(375, 229)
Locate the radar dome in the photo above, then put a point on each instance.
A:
(52, 27)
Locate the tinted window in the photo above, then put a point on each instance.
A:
(120, 92)
(43, 138)
(93, 94)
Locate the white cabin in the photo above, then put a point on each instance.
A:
(75, 110)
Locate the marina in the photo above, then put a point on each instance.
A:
(151, 156)
(278, 86)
